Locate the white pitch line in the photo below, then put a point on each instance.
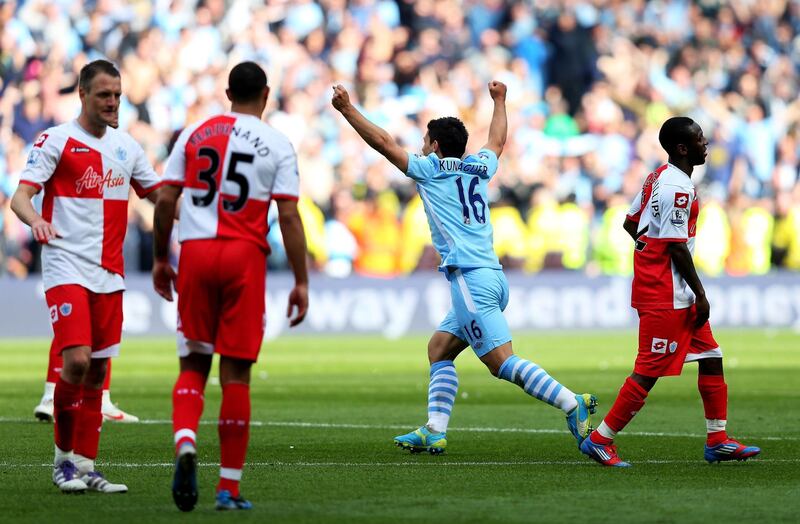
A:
(327, 425)
(433, 463)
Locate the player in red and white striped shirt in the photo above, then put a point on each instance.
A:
(229, 168)
(671, 302)
(86, 169)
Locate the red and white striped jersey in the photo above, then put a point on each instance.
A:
(86, 182)
(667, 206)
(230, 167)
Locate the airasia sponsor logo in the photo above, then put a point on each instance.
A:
(91, 179)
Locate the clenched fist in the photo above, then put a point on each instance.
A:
(341, 98)
(497, 90)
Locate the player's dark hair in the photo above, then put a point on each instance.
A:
(676, 130)
(451, 135)
(246, 82)
(92, 69)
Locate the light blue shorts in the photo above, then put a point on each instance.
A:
(478, 298)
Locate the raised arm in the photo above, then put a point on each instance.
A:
(377, 138)
(498, 129)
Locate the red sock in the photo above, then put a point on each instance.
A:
(90, 421)
(629, 401)
(234, 431)
(107, 381)
(714, 392)
(187, 406)
(54, 365)
(66, 408)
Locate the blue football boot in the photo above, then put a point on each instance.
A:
(422, 440)
(226, 501)
(605, 455)
(579, 420)
(729, 450)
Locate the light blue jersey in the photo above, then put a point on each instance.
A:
(453, 192)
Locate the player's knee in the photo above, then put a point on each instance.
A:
(76, 367)
(645, 382)
(710, 366)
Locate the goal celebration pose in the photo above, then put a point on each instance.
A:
(453, 188)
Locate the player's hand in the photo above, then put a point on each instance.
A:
(298, 299)
(703, 311)
(43, 231)
(341, 98)
(164, 278)
(497, 90)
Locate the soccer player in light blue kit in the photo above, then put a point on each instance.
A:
(453, 190)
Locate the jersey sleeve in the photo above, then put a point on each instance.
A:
(674, 203)
(635, 211)
(287, 178)
(42, 161)
(420, 168)
(488, 158)
(144, 179)
(175, 170)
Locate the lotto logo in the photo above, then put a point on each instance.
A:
(53, 314)
(682, 200)
(659, 345)
(40, 141)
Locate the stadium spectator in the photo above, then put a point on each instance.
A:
(589, 84)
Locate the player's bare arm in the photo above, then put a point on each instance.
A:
(377, 138)
(682, 258)
(43, 231)
(294, 240)
(498, 129)
(631, 227)
(163, 218)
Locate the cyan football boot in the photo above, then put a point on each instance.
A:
(579, 420)
(422, 440)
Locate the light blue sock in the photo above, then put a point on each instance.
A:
(442, 392)
(537, 383)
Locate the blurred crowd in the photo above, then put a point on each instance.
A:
(589, 84)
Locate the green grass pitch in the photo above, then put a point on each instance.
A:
(325, 411)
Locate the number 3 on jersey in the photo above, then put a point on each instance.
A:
(473, 199)
(209, 177)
